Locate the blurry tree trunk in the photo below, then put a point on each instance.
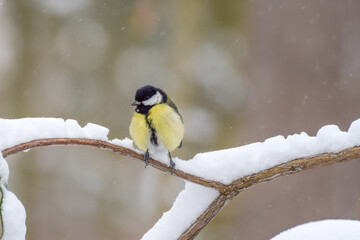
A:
(296, 52)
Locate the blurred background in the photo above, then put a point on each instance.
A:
(239, 72)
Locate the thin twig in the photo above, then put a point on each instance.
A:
(1, 208)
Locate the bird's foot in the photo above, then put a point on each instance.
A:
(146, 158)
(172, 164)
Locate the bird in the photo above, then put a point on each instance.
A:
(156, 124)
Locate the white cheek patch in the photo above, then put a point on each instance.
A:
(156, 99)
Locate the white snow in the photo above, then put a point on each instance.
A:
(126, 143)
(189, 204)
(4, 171)
(230, 164)
(13, 216)
(16, 131)
(12, 210)
(334, 229)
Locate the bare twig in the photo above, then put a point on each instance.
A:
(1, 215)
(227, 192)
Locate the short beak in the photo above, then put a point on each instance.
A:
(135, 103)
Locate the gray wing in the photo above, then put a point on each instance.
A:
(172, 104)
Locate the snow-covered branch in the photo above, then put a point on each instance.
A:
(294, 166)
(125, 151)
(212, 178)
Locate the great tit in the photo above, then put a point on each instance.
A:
(156, 124)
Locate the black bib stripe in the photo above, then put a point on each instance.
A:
(153, 137)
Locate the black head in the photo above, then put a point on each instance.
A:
(148, 96)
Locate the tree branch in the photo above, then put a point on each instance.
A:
(112, 147)
(205, 218)
(227, 192)
(284, 169)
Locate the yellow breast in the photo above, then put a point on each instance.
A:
(139, 131)
(167, 124)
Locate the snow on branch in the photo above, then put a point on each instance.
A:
(221, 175)
(331, 229)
